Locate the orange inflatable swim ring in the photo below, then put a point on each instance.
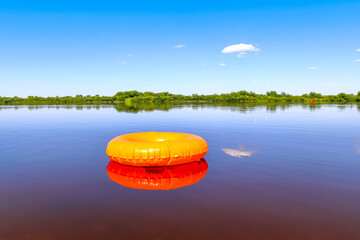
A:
(157, 178)
(156, 149)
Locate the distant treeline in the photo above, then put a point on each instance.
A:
(146, 97)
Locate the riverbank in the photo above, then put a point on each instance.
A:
(148, 97)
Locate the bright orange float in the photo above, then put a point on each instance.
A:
(156, 149)
(157, 178)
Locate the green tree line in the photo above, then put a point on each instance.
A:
(148, 97)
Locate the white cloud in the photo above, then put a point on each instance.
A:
(241, 48)
(222, 64)
(179, 46)
(124, 62)
(358, 50)
(241, 54)
(357, 60)
(313, 68)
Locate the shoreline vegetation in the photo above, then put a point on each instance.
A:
(163, 97)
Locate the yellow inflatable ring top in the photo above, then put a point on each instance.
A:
(156, 149)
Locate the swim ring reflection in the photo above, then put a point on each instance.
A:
(156, 149)
(157, 178)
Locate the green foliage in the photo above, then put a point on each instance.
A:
(314, 95)
(132, 97)
(272, 94)
(343, 97)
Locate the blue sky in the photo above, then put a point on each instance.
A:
(50, 48)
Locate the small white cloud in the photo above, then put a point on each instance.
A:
(241, 54)
(242, 48)
(179, 46)
(124, 62)
(313, 68)
(358, 50)
(222, 64)
(357, 60)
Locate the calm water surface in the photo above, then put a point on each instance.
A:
(275, 172)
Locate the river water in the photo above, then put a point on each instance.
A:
(275, 172)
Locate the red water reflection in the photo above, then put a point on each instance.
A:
(157, 178)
